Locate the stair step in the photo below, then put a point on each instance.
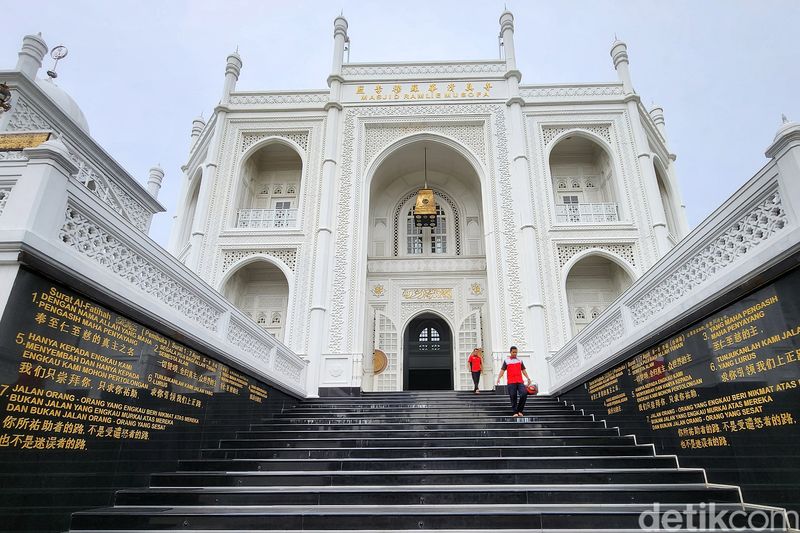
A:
(412, 452)
(431, 477)
(425, 441)
(392, 517)
(523, 432)
(459, 463)
(430, 495)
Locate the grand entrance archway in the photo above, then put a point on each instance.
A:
(434, 277)
(428, 354)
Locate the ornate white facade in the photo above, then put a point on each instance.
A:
(553, 199)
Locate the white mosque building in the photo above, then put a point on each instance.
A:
(299, 207)
(550, 200)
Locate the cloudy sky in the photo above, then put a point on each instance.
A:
(724, 71)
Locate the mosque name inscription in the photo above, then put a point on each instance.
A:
(424, 91)
(427, 294)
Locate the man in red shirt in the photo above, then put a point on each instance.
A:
(475, 364)
(517, 392)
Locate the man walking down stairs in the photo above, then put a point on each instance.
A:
(423, 461)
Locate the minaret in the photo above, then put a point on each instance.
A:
(154, 181)
(523, 204)
(197, 128)
(657, 114)
(619, 53)
(323, 261)
(233, 66)
(785, 150)
(655, 207)
(31, 55)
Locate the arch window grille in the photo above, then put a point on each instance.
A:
(429, 339)
(444, 239)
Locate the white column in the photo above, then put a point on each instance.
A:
(520, 178)
(232, 69)
(39, 198)
(619, 53)
(323, 264)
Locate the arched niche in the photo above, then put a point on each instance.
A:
(260, 290)
(193, 196)
(268, 187)
(592, 283)
(584, 182)
(667, 201)
(392, 193)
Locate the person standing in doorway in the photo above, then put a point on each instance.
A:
(475, 365)
(517, 392)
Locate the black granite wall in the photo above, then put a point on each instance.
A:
(722, 394)
(92, 401)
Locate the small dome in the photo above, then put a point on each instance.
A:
(786, 127)
(64, 101)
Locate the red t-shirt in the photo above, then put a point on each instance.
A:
(474, 362)
(513, 368)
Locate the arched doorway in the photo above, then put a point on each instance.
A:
(428, 354)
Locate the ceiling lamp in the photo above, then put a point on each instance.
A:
(425, 208)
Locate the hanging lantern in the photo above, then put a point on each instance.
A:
(425, 208)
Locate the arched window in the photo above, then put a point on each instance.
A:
(429, 339)
(443, 239)
(584, 185)
(268, 190)
(422, 241)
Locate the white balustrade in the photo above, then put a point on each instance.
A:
(586, 213)
(266, 218)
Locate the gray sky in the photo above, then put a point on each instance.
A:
(724, 71)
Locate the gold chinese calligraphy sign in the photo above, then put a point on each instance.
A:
(18, 141)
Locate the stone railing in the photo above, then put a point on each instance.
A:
(586, 213)
(753, 230)
(77, 233)
(266, 218)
